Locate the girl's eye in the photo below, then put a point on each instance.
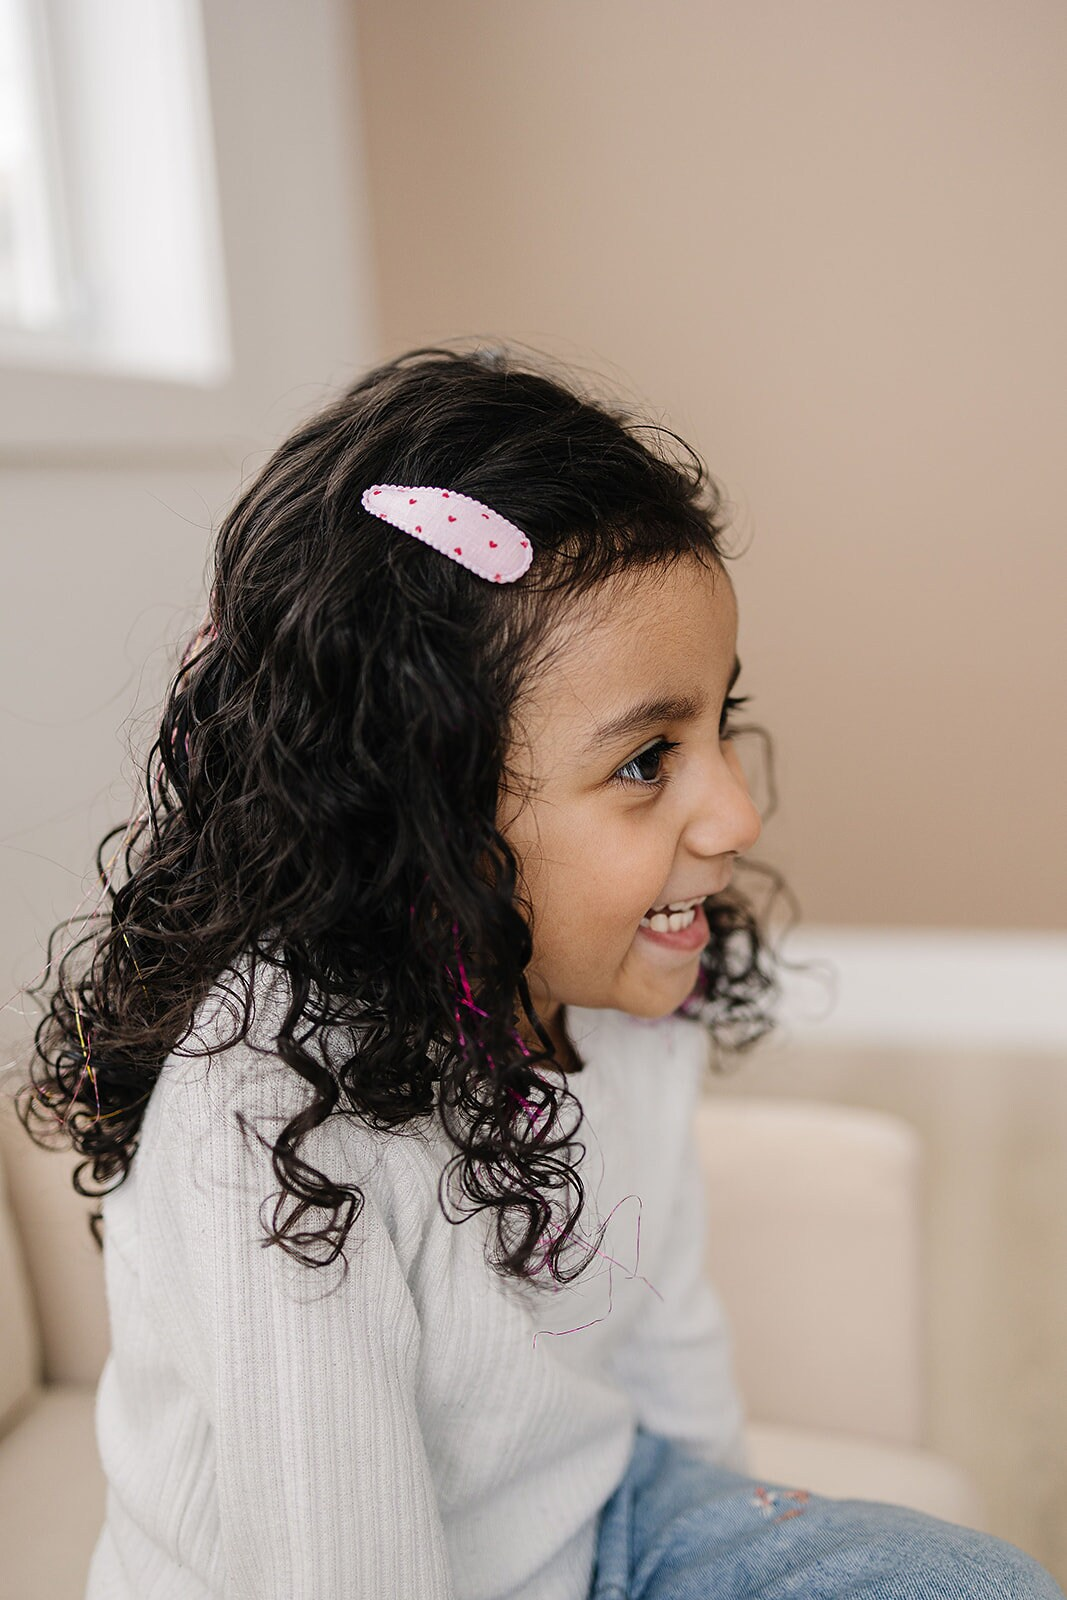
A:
(730, 705)
(655, 752)
(631, 772)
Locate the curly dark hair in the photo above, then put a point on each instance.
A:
(322, 797)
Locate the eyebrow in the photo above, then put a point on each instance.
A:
(665, 708)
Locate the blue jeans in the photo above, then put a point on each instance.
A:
(681, 1529)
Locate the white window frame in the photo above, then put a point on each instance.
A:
(291, 237)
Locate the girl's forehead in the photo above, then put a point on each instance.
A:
(668, 633)
(649, 612)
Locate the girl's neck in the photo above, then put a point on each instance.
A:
(556, 1028)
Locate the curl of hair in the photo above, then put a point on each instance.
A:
(322, 797)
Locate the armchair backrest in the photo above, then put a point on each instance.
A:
(815, 1245)
(20, 1344)
(58, 1261)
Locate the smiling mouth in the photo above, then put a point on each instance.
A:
(675, 908)
(670, 921)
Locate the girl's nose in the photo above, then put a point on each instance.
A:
(725, 818)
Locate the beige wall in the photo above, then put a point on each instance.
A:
(826, 243)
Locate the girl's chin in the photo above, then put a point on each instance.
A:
(657, 985)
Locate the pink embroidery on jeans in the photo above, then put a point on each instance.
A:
(765, 1501)
(802, 1496)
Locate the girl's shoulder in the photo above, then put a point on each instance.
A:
(217, 1091)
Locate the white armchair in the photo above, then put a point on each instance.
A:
(814, 1245)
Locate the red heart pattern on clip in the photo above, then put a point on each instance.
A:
(421, 510)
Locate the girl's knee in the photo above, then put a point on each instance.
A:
(994, 1569)
(944, 1561)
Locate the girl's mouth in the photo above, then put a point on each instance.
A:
(682, 930)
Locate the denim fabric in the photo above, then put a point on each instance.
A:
(678, 1528)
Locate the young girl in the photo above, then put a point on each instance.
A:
(436, 869)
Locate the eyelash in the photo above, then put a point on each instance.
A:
(666, 747)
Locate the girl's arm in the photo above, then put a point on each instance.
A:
(677, 1364)
(322, 1482)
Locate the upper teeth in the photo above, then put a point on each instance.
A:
(669, 919)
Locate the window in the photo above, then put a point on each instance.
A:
(33, 293)
(199, 185)
(110, 255)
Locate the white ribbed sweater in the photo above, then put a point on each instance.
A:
(423, 1431)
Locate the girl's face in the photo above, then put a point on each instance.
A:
(616, 824)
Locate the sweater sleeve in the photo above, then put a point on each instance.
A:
(677, 1363)
(308, 1377)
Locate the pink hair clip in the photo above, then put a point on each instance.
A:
(463, 529)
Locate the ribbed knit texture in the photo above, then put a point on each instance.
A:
(418, 1429)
